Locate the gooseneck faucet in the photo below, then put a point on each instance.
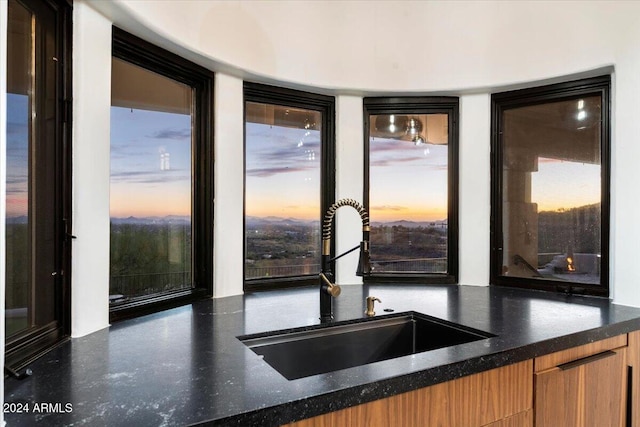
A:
(328, 288)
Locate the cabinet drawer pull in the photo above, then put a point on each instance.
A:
(585, 360)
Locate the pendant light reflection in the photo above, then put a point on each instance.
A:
(414, 131)
(391, 125)
(400, 127)
(309, 125)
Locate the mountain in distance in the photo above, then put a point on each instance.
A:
(169, 219)
(254, 221)
(23, 219)
(410, 224)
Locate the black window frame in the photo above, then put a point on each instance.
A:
(325, 104)
(25, 348)
(408, 105)
(134, 50)
(575, 89)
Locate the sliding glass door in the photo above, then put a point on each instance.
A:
(36, 221)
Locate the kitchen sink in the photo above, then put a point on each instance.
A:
(302, 352)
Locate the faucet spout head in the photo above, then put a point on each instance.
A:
(364, 262)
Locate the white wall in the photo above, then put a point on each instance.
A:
(625, 213)
(349, 184)
(475, 189)
(228, 230)
(91, 174)
(390, 45)
(355, 49)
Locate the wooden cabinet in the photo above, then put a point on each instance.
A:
(584, 386)
(497, 398)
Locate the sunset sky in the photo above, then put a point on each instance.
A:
(17, 154)
(564, 185)
(150, 163)
(407, 181)
(283, 171)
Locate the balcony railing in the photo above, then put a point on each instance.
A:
(134, 285)
(252, 272)
(411, 265)
(418, 265)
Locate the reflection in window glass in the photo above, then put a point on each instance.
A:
(19, 134)
(282, 191)
(151, 184)
(36, 178)
(551, 204)
(408, 192)
(17, 221)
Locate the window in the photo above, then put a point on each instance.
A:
(38, 204)
(289, 184)
(161, 179)
(550, 187)
(411, 188)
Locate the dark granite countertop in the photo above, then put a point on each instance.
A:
(185, 366)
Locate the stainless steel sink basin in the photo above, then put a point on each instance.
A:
(303, 352)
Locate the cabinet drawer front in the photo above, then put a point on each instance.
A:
(471, 401)
(590, 394)
(554, 359)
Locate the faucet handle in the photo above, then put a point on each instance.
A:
(334, 290)
(329, 287)
(371, 300)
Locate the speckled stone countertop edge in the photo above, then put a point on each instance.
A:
(334, 401)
